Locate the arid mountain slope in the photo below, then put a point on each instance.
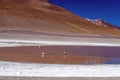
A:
(41, 16)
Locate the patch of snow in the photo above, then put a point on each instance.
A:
(92, 19)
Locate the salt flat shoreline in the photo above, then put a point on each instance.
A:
(9, 69)
(17, 42)
(58, 78)
(14, 39)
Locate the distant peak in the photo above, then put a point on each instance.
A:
(95, 20)
(101, 22)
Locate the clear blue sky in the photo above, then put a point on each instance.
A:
(108, 10)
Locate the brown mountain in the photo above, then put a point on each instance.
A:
(41, 16)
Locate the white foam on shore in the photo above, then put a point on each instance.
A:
(57, 70)
(12, 42)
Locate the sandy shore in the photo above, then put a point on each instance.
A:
(58, 78)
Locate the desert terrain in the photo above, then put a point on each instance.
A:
(54, 39)
(42, 16)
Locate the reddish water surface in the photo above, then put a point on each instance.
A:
(62, 54)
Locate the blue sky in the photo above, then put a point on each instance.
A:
(108, 10)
